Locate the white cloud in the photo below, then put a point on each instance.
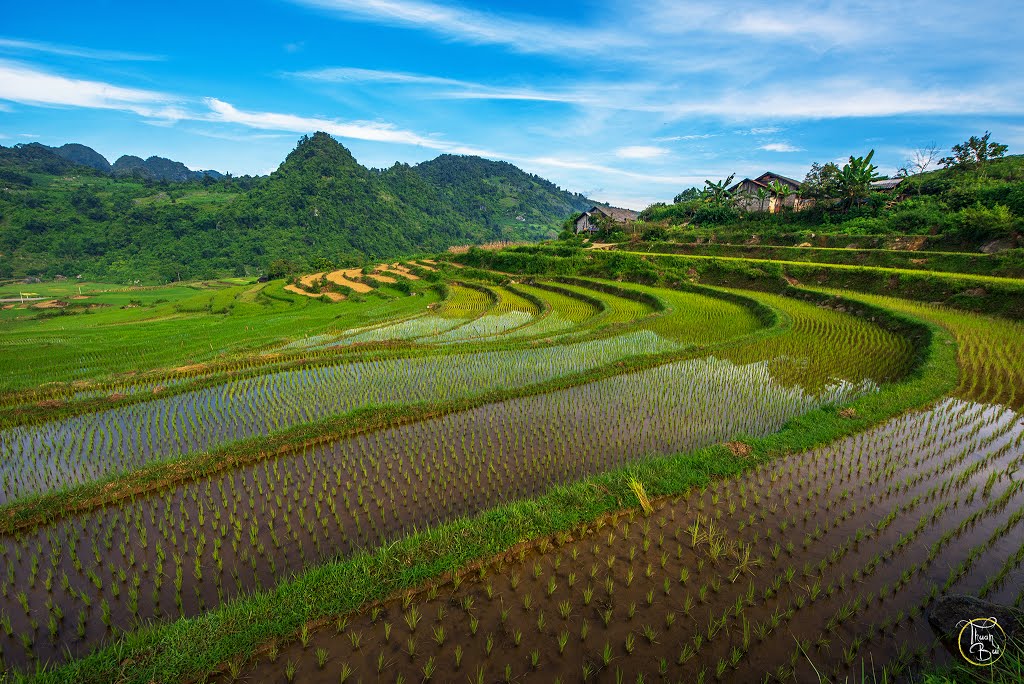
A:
(373, 131)
(274, 121)
(809, 26)
(526, 35)
(677, 138)
(780, 147)
(827, 98)
(73, 51)
(845, 97)
(550, 162)
(629, 96)
(640, 152)
(354, 75)
(27, 85)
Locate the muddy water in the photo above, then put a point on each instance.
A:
(879, 524)
(40, 458)
(247, 529)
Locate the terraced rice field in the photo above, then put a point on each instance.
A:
(40, 458)
(812, 564)
(817, 561)
(989, 349)
(245, 530)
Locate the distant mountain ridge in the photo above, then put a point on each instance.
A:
(154, 168)
(62, 211)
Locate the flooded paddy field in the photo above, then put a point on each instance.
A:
(191, 548)
(820, 563)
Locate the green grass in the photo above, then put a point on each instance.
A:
(876, 270)
(1001, 265)
(173, 326)
(979, 294)
(1008, 670)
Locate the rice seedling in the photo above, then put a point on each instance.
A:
(234, 534)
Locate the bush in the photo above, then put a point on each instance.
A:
(981, 224)
(1015, 200)
(915, 217)
(654, 233)
(863, 225)
(714, 214)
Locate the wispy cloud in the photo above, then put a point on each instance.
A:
(827, 98)
(678, 138)
(628, 95)
(811, 26)
(780, 147)
(835, 98)
(28, 85)
(15, 45)
(764, 130)
(471, 26)
(640, 152)
(355, 75)
(274, 121)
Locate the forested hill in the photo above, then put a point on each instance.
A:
(481, 189)
(63, 212)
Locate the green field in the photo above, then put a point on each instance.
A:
(524, 466)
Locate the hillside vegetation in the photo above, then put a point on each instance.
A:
(967, 206)
(60, 213)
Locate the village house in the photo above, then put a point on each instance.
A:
(589, 221)
(746, 194)
(886, 185)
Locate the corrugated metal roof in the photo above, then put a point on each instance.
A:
(886, 184)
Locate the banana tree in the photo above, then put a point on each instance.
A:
(762, 197)
(718, 193)
(781, 190)
(855, 179)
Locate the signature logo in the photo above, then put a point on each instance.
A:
(981, 641)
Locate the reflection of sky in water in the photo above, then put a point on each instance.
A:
(91, 446)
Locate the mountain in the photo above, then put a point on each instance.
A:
(157, 168)
(507, 193)
(33, 158)
(319, 208)
(83, 155)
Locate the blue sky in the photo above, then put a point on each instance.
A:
(626, 102)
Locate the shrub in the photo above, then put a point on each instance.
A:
(915, 217)
(716, 214)
(863, 225)
(979, 223)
